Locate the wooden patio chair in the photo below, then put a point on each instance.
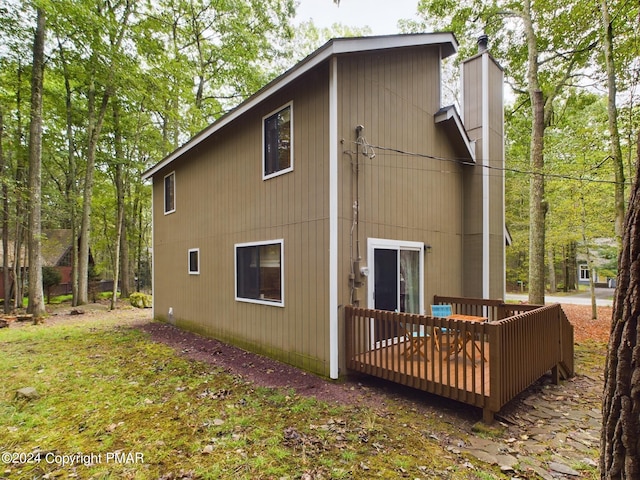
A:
(415, 341)
(443, 311)
(440, 311)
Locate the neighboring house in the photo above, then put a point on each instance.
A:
(343, 181)
(56, 248)
(604, 254)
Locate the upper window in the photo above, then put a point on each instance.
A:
(277, 140)
(259, 268)
(584, 272)
(170, 193)
(194, 261)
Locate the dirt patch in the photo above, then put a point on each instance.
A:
(262, 371)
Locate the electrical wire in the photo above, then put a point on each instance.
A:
(370, 149)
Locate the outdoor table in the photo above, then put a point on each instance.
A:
(460, 342)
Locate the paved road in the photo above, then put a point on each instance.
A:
(604, 298)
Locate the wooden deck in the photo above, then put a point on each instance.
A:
(443, 368)
(484, 364)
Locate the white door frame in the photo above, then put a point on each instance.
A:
(372, 244)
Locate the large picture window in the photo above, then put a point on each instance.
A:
(277, 136)
(259, 272)
(170, 193)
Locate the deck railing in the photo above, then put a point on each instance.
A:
(481, 364)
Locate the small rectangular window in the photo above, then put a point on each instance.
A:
(170, 193)
(194, 261)
(277, 136)
(259, 272)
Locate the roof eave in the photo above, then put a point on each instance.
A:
(450, 119)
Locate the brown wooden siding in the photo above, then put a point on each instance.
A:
(222, 200)
(401, 197)
(394, 95)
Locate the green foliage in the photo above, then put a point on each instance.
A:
(140, 59)
(140, 300)
(51, 277)
(578, 176)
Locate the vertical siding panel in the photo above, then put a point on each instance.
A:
(222, 200)
(405, 198)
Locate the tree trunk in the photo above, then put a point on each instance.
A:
(4, 201)
(119, 184)
(36, 294)
(19, 188)
(95, 122)
(551, 265)
(95, 126)
(71, 187)
(614, 134)
(619, 451)
(592, 289)
(125, 260)
(590, 266)
(537, 204)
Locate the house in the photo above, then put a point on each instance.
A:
(602, 253)
(344, 181)
(56, 249)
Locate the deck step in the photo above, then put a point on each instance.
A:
(564, 370)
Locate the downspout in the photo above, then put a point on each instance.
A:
(333, 218)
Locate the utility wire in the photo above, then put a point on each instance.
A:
(370, 149)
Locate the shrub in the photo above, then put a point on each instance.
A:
(140, 300)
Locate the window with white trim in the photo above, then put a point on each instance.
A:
(277, 142)
(170, 193)
(584, 272)
(259, 272)
(194, 261)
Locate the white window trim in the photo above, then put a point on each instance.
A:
(585, 272)
(272, 303)
(373, 243)
(286, 170)
(164, 192)
(192, 272)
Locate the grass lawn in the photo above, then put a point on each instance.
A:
(115, 405)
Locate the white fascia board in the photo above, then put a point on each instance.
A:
(447, 40)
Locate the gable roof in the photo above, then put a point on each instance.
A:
(54, 245)
(337, 46)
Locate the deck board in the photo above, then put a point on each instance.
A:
(440, 370)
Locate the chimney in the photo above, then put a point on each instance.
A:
(483, 42)
(482, 110)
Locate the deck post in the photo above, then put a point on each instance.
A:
(555, 375)
(488, 416)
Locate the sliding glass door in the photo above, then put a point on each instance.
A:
(396, 280)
